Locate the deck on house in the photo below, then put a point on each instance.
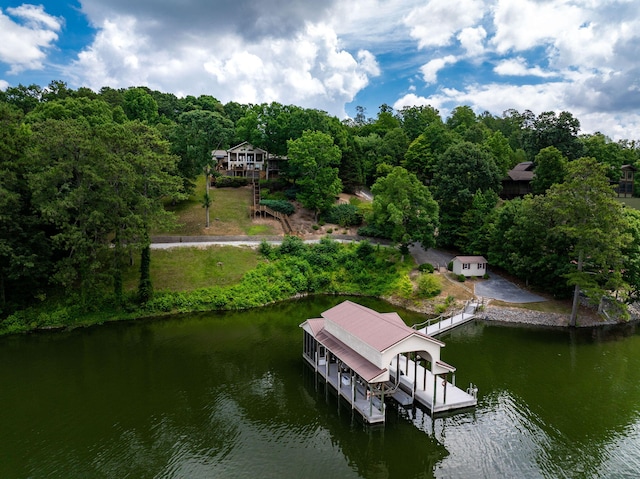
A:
(447, 395)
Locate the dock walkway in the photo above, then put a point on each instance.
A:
(439, 325)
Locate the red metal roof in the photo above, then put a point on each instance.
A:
(378, 330)
(361, 366)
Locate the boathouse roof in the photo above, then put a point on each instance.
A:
(366, 340)
(379, 330)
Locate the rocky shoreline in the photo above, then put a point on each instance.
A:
(538, 318)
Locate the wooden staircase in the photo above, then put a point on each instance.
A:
(261, 210)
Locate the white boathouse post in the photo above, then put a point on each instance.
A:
(444, 382)
(424, 378)
(353, 392)
(415, 374)
(435, 390)
(327, 357)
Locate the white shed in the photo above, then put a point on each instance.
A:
(470, 265)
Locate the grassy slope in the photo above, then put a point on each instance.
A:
(229, 214)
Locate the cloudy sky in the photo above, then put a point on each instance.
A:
(577, 55)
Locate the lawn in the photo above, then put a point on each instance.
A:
(186, 269)
(631, 202)
(228, 214)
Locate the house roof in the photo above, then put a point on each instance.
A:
(219, 154)
(378, 330)
(522, 171)
(245, 145)
(470, 259)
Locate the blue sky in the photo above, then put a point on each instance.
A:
(577, 55)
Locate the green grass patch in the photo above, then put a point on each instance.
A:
(260, 230)
(228, 214)
(186, 269)
(630, 202)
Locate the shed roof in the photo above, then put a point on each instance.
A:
(470, 259)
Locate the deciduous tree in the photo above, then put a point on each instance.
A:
(404, 210)
(315, 158)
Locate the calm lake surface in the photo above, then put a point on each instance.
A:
(228, 396)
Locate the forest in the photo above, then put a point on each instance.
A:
(86, 176)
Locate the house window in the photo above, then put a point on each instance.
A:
(481, 265)
(466, 266)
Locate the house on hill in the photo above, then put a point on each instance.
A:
(517, 183)
(247, 161)
(470, 266)
(624, 187)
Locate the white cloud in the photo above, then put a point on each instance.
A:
(472, 40)
(524, 24)
(23, 43)
(430, 70)
(309, 69)
(518, 67)
(553, 96)
(436, 23)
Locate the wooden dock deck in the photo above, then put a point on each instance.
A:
(448, 396)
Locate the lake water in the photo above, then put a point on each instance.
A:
(229, 396)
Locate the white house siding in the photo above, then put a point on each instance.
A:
(470, 265)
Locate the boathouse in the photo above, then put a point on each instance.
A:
(367, 356)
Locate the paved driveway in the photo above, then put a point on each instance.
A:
(497, 287)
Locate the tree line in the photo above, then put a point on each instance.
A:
(85, 176)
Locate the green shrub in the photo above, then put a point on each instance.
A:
(461, 277)
(426, 268)
(405, 287)
(291, 245)
(450, 266)
(282, 206)
(372, 231)
(364, 250)
(266, 249)
(344, 215)
(429, 286)
(291, 193)
(231, 181)
(316, 227)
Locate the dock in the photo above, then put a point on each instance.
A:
(369, 357)
(441, 324)
(448, 396)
